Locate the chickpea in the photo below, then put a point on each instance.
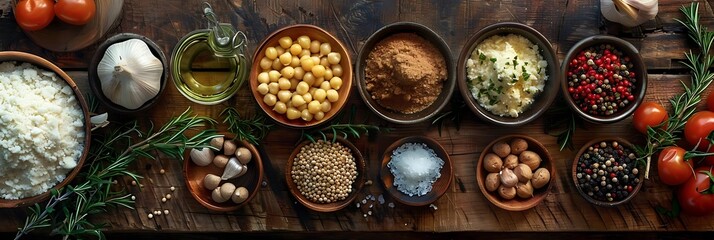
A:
(318, 71)
(280, 50)
(299, 73)
(323, 62)
(295, 49)
(301, 107)
(337, 70)
(302, 88)
(307, 96)
(315, 46)
(286, 58)
(328, 74)
(336, 83)
(298, 100)
(318, 82)
(284, 96)
(309, 78)
(273, 87)
(313, 107)
(334, 58)
(315, 60)
(332, 95)
(312, 91)
(280, 107)
(319, 116)
(325, 85)
(285, 42)
(263, 77)
(271, 53)
(277, 65)
(325, 49)
(292, 113)
(263, 88)
(284, 83)
(288, 72)
(306, 115)
(293, 83)
(306, 63)
(304, 41)
(273, 75)
(270, 99)
(305, 52)
(266, 63)
(295, 62)
(320, 95)
(325, 106)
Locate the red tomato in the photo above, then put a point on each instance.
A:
(698, 128)
(695, 195)
(76, 12)
(649, 114)
(673, 169)
(33, 15)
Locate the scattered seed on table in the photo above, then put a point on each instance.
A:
(133, 183)
(172, 188)
(163, 199)
(168, 196)
(166, 212)
(133, 198)
(151, 216)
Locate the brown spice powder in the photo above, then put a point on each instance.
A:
(405, 73)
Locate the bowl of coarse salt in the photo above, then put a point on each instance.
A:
(416, 170)
(45, 129)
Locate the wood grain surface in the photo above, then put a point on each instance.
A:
(463, 208)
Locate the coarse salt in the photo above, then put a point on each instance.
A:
(415, 167)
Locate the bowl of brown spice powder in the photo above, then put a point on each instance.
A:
(405, 73)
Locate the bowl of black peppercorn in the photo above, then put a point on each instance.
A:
(606, 172)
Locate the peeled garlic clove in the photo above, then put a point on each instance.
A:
(202, 157)
(233, 169)
(243, 155)
(220, 161)
(216, 196)
(217, 143)
(229, 147)
(240, 195)
(508, 178)
(211, 181)
(227, 190)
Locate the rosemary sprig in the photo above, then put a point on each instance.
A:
(561, 122)
(252, 129)
(458, 107)
(344, 130)
(67, 211)
(683, 105)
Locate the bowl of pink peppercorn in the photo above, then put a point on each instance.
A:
(604, 79)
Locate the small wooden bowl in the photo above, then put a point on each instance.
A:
(42, 63)
(517, 203)
(447, 88)
(194, 174)
(96, 86)
(585, 147)
(542, 100)
(438, 188)
(638, 66)
(315, 33)
(327, 207)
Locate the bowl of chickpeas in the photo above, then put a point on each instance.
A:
(301, 76)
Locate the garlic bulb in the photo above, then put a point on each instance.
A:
(645, 10)
(130, 74)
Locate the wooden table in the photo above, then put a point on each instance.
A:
(463, 209)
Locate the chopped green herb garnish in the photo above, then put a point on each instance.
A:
(526, 75)
(481, 56)
(539, 69)
(493, 60)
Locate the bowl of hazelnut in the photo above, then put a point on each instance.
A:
(515, 172)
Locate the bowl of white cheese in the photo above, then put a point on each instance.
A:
(44, 129)
(508, 74)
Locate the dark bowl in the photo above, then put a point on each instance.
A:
(96, 86)
(251, 180)
(438, 188)
(315, 33)
(44, 64)
(517, 203)
(447, 87)
(334, 206)
(638, 65)
(635, 190)
(542, 100)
